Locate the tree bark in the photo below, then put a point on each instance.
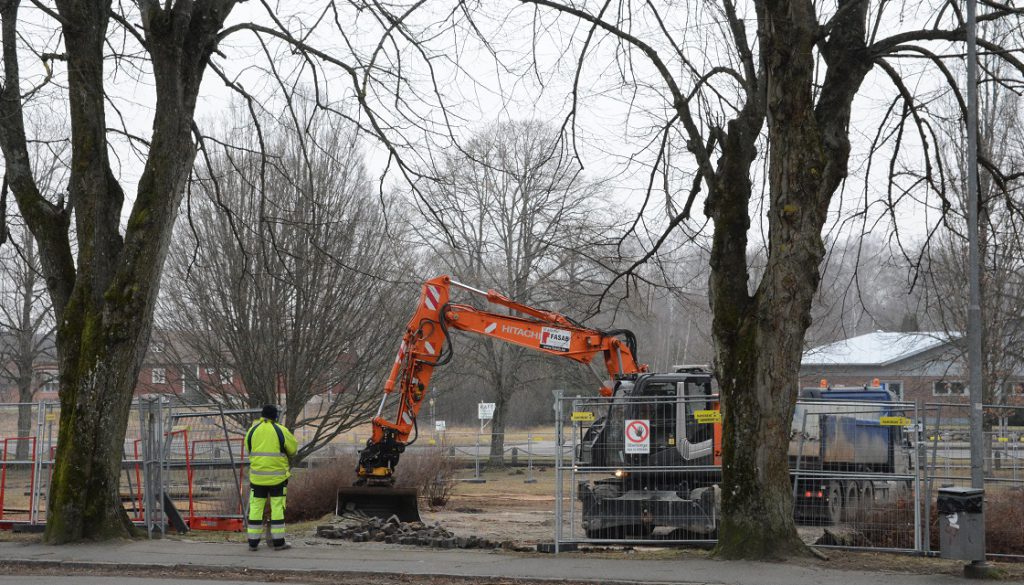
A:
(104, 302)
(759, 337)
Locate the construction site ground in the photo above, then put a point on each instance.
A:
(503, 509)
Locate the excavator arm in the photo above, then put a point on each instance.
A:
(426, 345)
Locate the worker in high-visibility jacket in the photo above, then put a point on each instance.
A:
(271, 448)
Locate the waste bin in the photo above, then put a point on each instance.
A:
(961, 532)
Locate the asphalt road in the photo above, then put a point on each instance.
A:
(86, 580)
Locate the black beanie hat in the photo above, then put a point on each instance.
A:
(269, 411)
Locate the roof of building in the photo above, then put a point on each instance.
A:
(880, 348)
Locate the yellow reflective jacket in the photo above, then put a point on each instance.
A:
(270, 446)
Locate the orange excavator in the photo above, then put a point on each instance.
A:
(427, 345)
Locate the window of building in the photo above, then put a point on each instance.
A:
(1014, 389)
(159, 376)
(944, 388)
(49, 381)
(226, 376)
(894, 386)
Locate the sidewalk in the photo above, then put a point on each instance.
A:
(374, 558)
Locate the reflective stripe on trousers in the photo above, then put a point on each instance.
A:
(257, 505)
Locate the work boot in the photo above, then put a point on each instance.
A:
(284, 546)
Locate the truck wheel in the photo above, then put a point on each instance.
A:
(867, 497)
(851, 501)
(834, 512)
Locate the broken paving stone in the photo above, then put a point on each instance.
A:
(358, 527)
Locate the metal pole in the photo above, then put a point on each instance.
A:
(799, 456)
(476, 457)
(974, 325)
(529, 459)
(918, 445)
(558, 469)
(37, 464)
(231, 457)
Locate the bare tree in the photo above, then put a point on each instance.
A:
(1001, 235)
(103, 273)
(717, 84)
(26, 315)
(26, 329)
(506, 213)
(283, 278)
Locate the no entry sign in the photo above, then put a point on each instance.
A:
(638, 436)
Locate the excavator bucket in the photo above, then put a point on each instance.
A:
(381, 502)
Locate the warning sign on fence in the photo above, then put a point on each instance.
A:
(706, 417)
(638, 437)
(895, 421)
(582, 416)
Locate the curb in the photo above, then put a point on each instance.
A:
(189, 570)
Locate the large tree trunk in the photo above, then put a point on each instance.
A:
(95, 404)
(104, 306)
(759, 338)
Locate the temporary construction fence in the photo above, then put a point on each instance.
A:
(645, 470)
(865, 474)
(182, 464)
(471, 449)
(188, 464)
(947, 452)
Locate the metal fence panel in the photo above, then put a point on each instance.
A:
(17, 462)
(946, 446)
(647, 470)
(205, 461)
(856, 474)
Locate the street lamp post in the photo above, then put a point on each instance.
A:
(978, 567)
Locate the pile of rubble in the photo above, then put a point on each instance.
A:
(359, 527)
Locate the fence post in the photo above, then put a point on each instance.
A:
(799, 457)
(476, 457)
(919, 427)
(529, 460)
(558, 470)
(231, 456)
(37, 464)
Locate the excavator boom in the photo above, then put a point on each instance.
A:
(426, 344)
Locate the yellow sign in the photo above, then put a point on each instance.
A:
(1003, 439)
(582, 416)
(51, 416)
(895, 421)
(705, 417)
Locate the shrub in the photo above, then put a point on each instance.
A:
(1004, 522)
(432, 473)
(313, 492)
(892, 525)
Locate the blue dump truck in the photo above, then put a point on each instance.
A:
(841, 441)
(838, 447)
